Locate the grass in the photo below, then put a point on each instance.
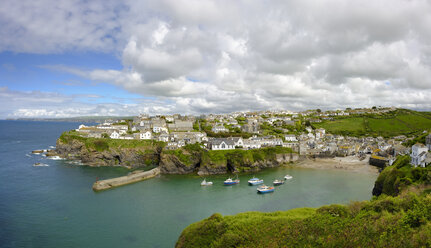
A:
(400, 122)
(102, 144)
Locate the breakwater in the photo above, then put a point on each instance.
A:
(120, 181)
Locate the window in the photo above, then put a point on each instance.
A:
(223, 146)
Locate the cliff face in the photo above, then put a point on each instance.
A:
(128, 156)
(189, 159)
(171, 164)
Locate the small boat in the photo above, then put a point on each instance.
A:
(265, 189)
(288, 177)
(205, 183)
(278, 182)
(40, 165)
(255, 181)
(230, 181)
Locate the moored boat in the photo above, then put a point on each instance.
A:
(265, 189)
(205, 183)
(255, 181)
(288, 177)
(278, 182)
(230, 181)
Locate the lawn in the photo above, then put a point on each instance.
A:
(350, 125)
(387, 127)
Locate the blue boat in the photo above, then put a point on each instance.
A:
(265, 189)
(255, 181)
(229, 181)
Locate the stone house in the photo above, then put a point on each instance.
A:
(419, 154)
(428, 142)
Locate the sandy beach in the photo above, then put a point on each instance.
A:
(351, 163)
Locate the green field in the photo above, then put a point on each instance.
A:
(400, 122)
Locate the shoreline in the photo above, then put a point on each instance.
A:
(349, 163)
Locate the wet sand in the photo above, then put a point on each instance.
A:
(351, 163)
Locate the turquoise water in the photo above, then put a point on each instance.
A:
(54, 206)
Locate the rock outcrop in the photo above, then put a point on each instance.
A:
(171, 164)
(99, 152)
(127, 157)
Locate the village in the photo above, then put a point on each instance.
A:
(255, 130)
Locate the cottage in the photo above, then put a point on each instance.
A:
(115, 135)
(428, 141)
(251, 144)
(145, 135)
(320, 133)
(222, 144)
(181, 126)
(290, 138)
(419, 154)
(219, 128)
(238, 141)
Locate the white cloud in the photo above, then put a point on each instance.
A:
(221, 56)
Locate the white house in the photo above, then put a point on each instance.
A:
(158, 129)
(419, 152)
(145, 135)
(115, 135)
(320, 133)
(290, 138)
(238, 141)
(219, 128)
(164, 137)
(222, 144)
(309, 129)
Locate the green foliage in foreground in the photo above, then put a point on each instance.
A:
(393, 179)
(104, 144)
(383, 222)
(389, 220)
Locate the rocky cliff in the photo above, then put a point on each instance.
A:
(101, 152)
(189, 159)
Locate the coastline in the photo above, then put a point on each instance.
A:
(350, 163)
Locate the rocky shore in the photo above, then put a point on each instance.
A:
(182, 161)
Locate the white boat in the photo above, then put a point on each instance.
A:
(278, 182)
(255, 181)
(54, 157)
(205, 183)
(288, 177)
(40, 165)
(229, 181)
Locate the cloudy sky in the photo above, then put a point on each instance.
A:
(71, 58)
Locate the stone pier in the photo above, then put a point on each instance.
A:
(134, 177)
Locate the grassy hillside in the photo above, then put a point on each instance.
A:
(399, 217)
(384, 222)
(399, 122)
(108, 144)
(394, 179)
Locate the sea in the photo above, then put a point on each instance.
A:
(53, 204)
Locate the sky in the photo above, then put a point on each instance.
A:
(65, 58)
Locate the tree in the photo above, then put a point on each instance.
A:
(318, 110)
